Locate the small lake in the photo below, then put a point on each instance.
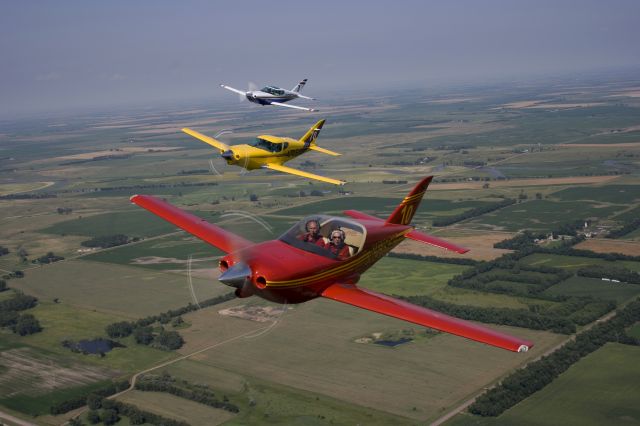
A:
(393, 343)
(94, 346)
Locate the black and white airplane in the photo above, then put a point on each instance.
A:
(272, 95)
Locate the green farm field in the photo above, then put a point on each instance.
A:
(541, 215)
(575, 262)
(126, 291)
(606, 290)
(602, 388)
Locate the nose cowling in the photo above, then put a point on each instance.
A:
(236, 276)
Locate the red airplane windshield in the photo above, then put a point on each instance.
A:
(328, 236)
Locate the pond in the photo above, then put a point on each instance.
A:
(93, 346)
(393, 343)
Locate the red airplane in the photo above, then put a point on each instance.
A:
(304, 264)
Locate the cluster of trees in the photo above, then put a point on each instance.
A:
(144, 335)
(109, 411)
(80, 401)
(20, 323)
(106, 241)
(64, 210)
(478, 211)
(522, 241)
(3, 251)
(183, 389)
(167, 340)
(526, 240)
(194, 172)
(503, 316)
(523, 383)
(625, 229)
(50, 257)
(612, 272)
(452, 260)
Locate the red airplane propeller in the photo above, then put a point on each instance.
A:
(298, 266)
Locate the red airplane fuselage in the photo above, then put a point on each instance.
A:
(286, 274)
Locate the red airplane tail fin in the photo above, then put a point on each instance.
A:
(403, 214)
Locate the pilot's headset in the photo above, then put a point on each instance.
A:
(317, 222)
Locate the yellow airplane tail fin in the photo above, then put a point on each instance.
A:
(310, 137)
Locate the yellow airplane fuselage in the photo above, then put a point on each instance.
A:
(251, 157)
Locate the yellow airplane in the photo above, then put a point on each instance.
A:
(271, 152)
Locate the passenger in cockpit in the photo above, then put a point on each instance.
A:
(337, 245)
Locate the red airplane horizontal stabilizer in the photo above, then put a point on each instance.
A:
(366, 299)
(210, 233)
(431, 240)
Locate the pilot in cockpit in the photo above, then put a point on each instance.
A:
(313, 233)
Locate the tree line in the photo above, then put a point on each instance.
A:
(503, 316)
(106, 241)
(625, 229)
(80, 401)
(109, 411)
(435, 259)
(183, 389)
(535, 376)
(478, 211)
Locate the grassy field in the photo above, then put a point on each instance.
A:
(575, 262)
(544, 215)
(606, 290)
(176, 408)
(634, 331)
(175, 247)
(617, 194)
(132, 223)
(600, 389)
(413, 277)
(126, 291)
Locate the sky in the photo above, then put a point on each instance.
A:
(63, 55)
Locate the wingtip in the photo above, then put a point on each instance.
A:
(133, 197)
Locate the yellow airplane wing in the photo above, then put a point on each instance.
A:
(206, 139)
(292, 171)
(322, 150)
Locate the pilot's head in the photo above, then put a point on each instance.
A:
(337, 236)
(313, 226)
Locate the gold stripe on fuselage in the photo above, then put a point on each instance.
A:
(374, 252)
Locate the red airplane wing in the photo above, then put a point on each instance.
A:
(431, 240)
(212, 234)
(366, 299)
